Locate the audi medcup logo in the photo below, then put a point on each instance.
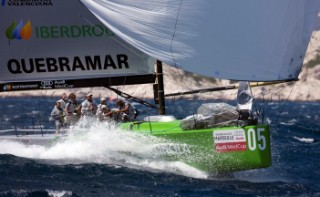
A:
(19, 31)
(46, 83)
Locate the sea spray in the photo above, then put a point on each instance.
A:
(104, 143)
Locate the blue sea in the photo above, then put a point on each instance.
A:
(98, 164)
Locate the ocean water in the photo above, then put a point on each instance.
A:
(106, 162)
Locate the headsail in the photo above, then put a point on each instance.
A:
(241, 40)
(60, 44)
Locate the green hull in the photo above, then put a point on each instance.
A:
(214, 150)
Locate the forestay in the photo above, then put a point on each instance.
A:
(243, 40)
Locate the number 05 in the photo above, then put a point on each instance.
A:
(261, 139)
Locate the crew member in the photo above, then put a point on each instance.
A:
(88, 106)
(126, 111)
(58, 115)
(72, 115)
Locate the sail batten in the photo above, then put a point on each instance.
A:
(243, 40)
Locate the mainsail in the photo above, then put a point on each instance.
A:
(60, 44)
(241, 40)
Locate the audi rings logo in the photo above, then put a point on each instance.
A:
(46, 83)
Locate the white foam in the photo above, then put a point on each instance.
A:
(55, 193)
(307, 140)
(105, 144)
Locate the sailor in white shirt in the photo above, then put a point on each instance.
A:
(89, 108)
(58, 116)
(103, 102)
(63, 101)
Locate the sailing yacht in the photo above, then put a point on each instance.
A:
(244, 40)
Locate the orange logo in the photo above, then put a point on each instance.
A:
(19, 31)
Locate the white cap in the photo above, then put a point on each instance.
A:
(103, 107)
(103, 99)
(90, 94)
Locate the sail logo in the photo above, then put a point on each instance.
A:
(19, 31)
(63, 64)
(229, 140)
(24, 31)
(71, 31)
(26, 3)
(7, 87)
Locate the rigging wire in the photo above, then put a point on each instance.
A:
(174, 33)
(283, 104)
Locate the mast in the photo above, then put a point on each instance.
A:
(159, 74)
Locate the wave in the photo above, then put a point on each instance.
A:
(306, 140)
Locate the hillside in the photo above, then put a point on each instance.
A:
(177, 80)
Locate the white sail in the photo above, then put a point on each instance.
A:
(62, 40)
(255, 40)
